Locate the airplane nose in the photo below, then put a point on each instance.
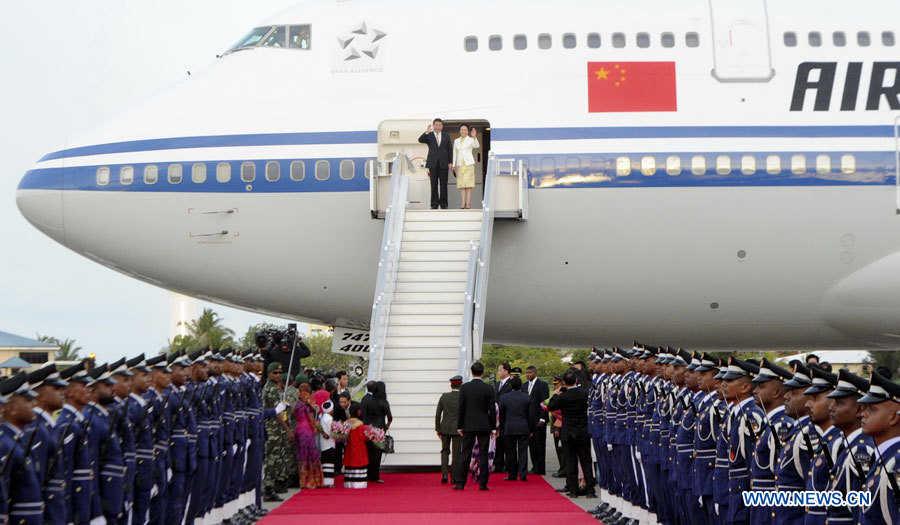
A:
(39, 198)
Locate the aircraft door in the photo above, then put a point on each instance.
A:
(403, 136)
(741, 41)
(480, 154)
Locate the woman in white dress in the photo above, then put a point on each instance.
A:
(464, 163)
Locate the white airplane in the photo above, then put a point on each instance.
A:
(735, 189)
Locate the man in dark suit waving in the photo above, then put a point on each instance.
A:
(476, 418)
(439, 161)
(573, 403)
(537, 443)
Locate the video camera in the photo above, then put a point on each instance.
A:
(278, 345)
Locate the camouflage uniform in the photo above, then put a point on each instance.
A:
(275, 471)
(291, 398)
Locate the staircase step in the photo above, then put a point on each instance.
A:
(423, 375)
(423, 410)
(424, 343)
(412, 460)
(424, 319)
(435, 245)
(443, 215)
(430, 277)
(433, 266)
(425, 447)
(430, 398)
(431, 226)
(419, 364)
(417, 434)
(424, 331)
(431, 287)
(442, 236)
(420, 353)
(423, 256)
(423, 308)
(428, 297)
(416, 387)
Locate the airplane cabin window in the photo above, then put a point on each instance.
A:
(544, 41)
(815, 38)
(520, 42)
(887, 38)
(223, 172)
(174, 173)
(248, 172)
(299, 37)
(823, 164)
(198, 173)
(723, 164)
(692, 39)
(151, 174)
(667, 39)
(839, 38)
(748, 164)
(298, 170)
(623, 166)
(673, 165)
(848, 164)
(643, 39)
(323, 170)
(348, 169)
(698, 165)
(773, 164)
(618, 40)
(126, 175)
(102, 176)
(495, 42)
(798, 164)
(252, 38)
(648, 166)
(471, 44)
(573, 165)
(276, 38)
(863, 39)
(569, 41)
(273, 170)
(790, 39)
(370, 168)
(593, 40)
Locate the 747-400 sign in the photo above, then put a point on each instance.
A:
(350, 341)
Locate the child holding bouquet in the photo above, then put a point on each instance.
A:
(326, 443)
(356, 459)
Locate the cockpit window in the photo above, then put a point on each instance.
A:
(252, 38)
(275, 38)
(299, 37)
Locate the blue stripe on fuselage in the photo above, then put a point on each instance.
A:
(498, 134)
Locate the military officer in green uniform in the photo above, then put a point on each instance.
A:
(446, 428)
(277, 438)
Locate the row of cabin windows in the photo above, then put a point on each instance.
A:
(570, 41)
(723, 165)
(175, 172)
(839, 39)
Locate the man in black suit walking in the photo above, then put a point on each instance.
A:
(537, 443)
(573, 403)
(501, 388)
(475, 419)
(439, 161)
(517, 423)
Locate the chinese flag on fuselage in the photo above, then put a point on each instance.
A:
(631, 86)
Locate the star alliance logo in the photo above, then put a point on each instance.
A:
(362, 43)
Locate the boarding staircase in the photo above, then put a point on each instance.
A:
(428, 314)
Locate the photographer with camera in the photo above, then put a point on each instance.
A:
(282, 346)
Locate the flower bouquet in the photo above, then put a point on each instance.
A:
(340, 430)
(375, 435)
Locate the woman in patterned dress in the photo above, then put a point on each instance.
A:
(308, 459)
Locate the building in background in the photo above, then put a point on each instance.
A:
(182, 310)
(319, 329)
(850, 359)
(21, 353)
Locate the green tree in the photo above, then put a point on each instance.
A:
(68, 351)
(322, 358)
(888, 358)
(206, 330)
(548, 361)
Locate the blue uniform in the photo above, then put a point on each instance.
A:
(850, 470)
(746, 421)
(884, 509)
(161, 415)
(119, 411)
(791, 470)
(765, 459)
(176, 495)
(703, 466)
(820, 472)
(140, 419)
(198, 506)
(77, 463)
(720, 416)
(20, 477)
(109, 464)
(47, 455)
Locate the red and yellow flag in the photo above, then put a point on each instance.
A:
(631, 86)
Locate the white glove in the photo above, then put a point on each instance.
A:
(716, 506)
(637, 454)
(700, 501)
(100, 520)
(234, 449)
(609, 447)
(168, 475)
(247, 445)
(280, 407)
(154, 491)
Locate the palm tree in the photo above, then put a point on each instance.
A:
(207, 330)
(67, 349)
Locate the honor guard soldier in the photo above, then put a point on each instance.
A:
(26, 504)
(182, 417)
(254, 414)
(721, 417)
(856, 452)
(119, 410)
(794, 459)
(881, 421)
(597, 429)
(48, 442)
(769, 394)
(162, 415)
(106, 450)
(197, 386)
(76, 449)
(704, 462)
(745, 420)
(824, 438)
(214, 404)
(140, 414)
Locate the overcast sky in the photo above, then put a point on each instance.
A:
(67, 66)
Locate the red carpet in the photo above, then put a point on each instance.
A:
(406, 499)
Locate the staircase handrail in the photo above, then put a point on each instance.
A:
(484, 256)
(466, 354)
(386, 281)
